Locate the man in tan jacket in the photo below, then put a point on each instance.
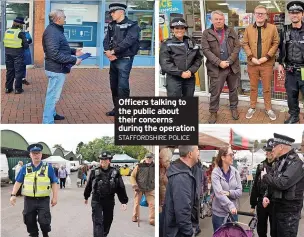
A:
(261, 41)
(143, 183)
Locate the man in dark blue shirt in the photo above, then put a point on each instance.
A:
(121, 44)
(37, 179)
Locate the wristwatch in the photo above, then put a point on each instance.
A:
(13, 195)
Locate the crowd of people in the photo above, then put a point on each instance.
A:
(276, 196)
(180, 58)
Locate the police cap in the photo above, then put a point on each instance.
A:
(295, 6)
(36, 147)
(19, 20)
(149, 155)
(117, 6)
(105, 155)
(269, 145)
(282, 139)
(176, 22)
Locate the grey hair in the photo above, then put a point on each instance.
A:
(55, 15)
(218, 12)
(184, 150)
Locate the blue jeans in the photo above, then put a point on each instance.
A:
(217, 221)
(55, 85)
(119, 78)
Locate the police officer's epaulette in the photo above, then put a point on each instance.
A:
(165, 40)
(96, 171)
(114, 173)
(29, 168)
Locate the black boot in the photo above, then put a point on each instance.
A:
(7, 91)
(111, 113)
(19, 91)
(292, 119)
(59, 117)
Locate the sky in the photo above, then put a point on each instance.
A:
(67, 135)
(255, 131)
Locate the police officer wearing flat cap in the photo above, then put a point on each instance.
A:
(121, 44)
(15, 43)
(180, 58)
(38, 180)
(287, 184)
(291, 58)
(103, 183)
(258, 192)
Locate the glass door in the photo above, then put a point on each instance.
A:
(10, 9)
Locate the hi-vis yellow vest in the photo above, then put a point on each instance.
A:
(37, 184)
(11, 39)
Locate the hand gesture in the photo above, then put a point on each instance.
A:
(112, 58)
(78, 62)
(255, 61)
(124, 207)
(108, 54)
(186, 75)
(86, 202)
(54, 201)
(263, 172)
(79, 52)
(263, 60)
(233, 211)
(13, 200)
(224, 64)
(265, 202)
(252, 210)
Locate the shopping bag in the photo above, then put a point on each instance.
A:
(68, 182)
(143, 201)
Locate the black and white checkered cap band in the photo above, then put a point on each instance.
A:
(295, 8)
(179, 23)
(282, 141)
(112, 9)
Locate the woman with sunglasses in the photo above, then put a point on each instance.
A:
(226, 183)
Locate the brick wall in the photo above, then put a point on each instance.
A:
(39, 20)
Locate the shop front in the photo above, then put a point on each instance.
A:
(238, 14)
(86, 25)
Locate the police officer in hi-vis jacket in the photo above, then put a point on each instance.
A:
(38, 180)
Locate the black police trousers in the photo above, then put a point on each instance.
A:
(102, 216)
(294, 85)
(14, 70)
(180, 87)
(285, 224)
(263, 215)
(32, 208)
(119, 78)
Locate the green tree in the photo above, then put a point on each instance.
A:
(80, 144)
(137, 152)
(256, 144)
(264, 141)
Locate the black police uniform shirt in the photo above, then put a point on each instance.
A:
(259, 187)
(120, 187)
(291, 177)
(178, 56)
(123, 38)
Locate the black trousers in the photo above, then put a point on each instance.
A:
(62, 182)
(119, 78)
(294, 85)
(263, 215)
(285, 224)
(102, 216)
(14, 70)
(34, 207)
(180, 87)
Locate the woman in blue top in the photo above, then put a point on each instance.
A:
(27, 54)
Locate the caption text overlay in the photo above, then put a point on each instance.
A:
(156, 121)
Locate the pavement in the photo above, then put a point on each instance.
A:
(224, 113)
(207, 228)
(85, 98)
(71, 217)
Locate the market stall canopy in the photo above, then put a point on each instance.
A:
(123, 158)
(208, 142)
(58, 160)
(239, 142)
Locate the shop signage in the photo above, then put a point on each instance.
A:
(279, 82)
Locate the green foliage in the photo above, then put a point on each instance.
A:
(92, 149)
(58, 146)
